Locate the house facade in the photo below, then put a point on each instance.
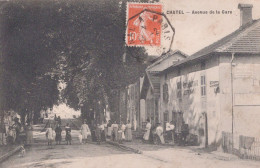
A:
(217, 90)
(150, 90)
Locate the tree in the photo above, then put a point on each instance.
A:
(80, 44)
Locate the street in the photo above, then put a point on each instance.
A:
(105, 155)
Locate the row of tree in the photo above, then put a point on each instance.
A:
(45, 44)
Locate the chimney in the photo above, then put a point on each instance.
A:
(245, 13)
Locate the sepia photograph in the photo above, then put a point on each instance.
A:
(129, 83)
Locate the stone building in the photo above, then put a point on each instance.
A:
(217, 89)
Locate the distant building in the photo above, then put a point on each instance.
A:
(217, 89)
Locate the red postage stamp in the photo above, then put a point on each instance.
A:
(143, 24)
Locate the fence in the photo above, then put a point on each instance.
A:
(249, 147)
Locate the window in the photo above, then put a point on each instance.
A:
(165, 92)
(203, 85)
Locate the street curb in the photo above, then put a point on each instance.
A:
(124, 147)
(10, 153)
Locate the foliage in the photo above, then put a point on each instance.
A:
(79, 43)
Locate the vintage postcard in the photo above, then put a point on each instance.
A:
(129, 83)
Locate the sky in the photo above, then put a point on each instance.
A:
(195, 31)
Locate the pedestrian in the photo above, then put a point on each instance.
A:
(58, 137)
(123, 127)
(2, 133)
(114, 131)
(98, 133)
(120, 133)
(68, 134)
(59, 120)
(29, 134)
(85, 131)
(147, 130)
(49, 135)
(172, 131)
(128, 131)
(169, 131)
(184, 133)
(109, 129)
(159, 133)
(17, 128)
(103, 132)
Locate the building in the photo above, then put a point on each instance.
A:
(216, 91)
(150, 90)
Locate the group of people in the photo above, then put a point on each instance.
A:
(13, 131)
(121, 132)
(157, 134)
(100, 132)
(58, 137)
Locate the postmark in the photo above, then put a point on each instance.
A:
(143, 24)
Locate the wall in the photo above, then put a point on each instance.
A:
(246, 89)
(189, 100)
(133, 104)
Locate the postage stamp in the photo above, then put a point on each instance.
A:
(143, 24)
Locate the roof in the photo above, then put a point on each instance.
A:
(167, 55)
(244, 40)
(151, 79)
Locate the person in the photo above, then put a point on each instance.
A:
(85, 131)
(103, 134)
(29, 134)
(17, 128)
(55, 117)
(49, 135)
(120, 132)
(123, 127)
(184, 133)
(68, 134)
(172, 127)
(114, 131)
(147, 130)
(22, 135)
(109, 129)
(159, 133)
(169, 131)
(98, 133)
(59, 120)
(58, 137)
(128, 132)
(105, 128)
(2, 133)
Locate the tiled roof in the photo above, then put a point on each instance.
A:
(244, 40)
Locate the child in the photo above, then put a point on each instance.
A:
(68, 134)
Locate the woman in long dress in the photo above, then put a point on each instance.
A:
(49, 135)
(114, 131)
(147, 130)
(128, 135)
(123, 127)
(84, 132)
